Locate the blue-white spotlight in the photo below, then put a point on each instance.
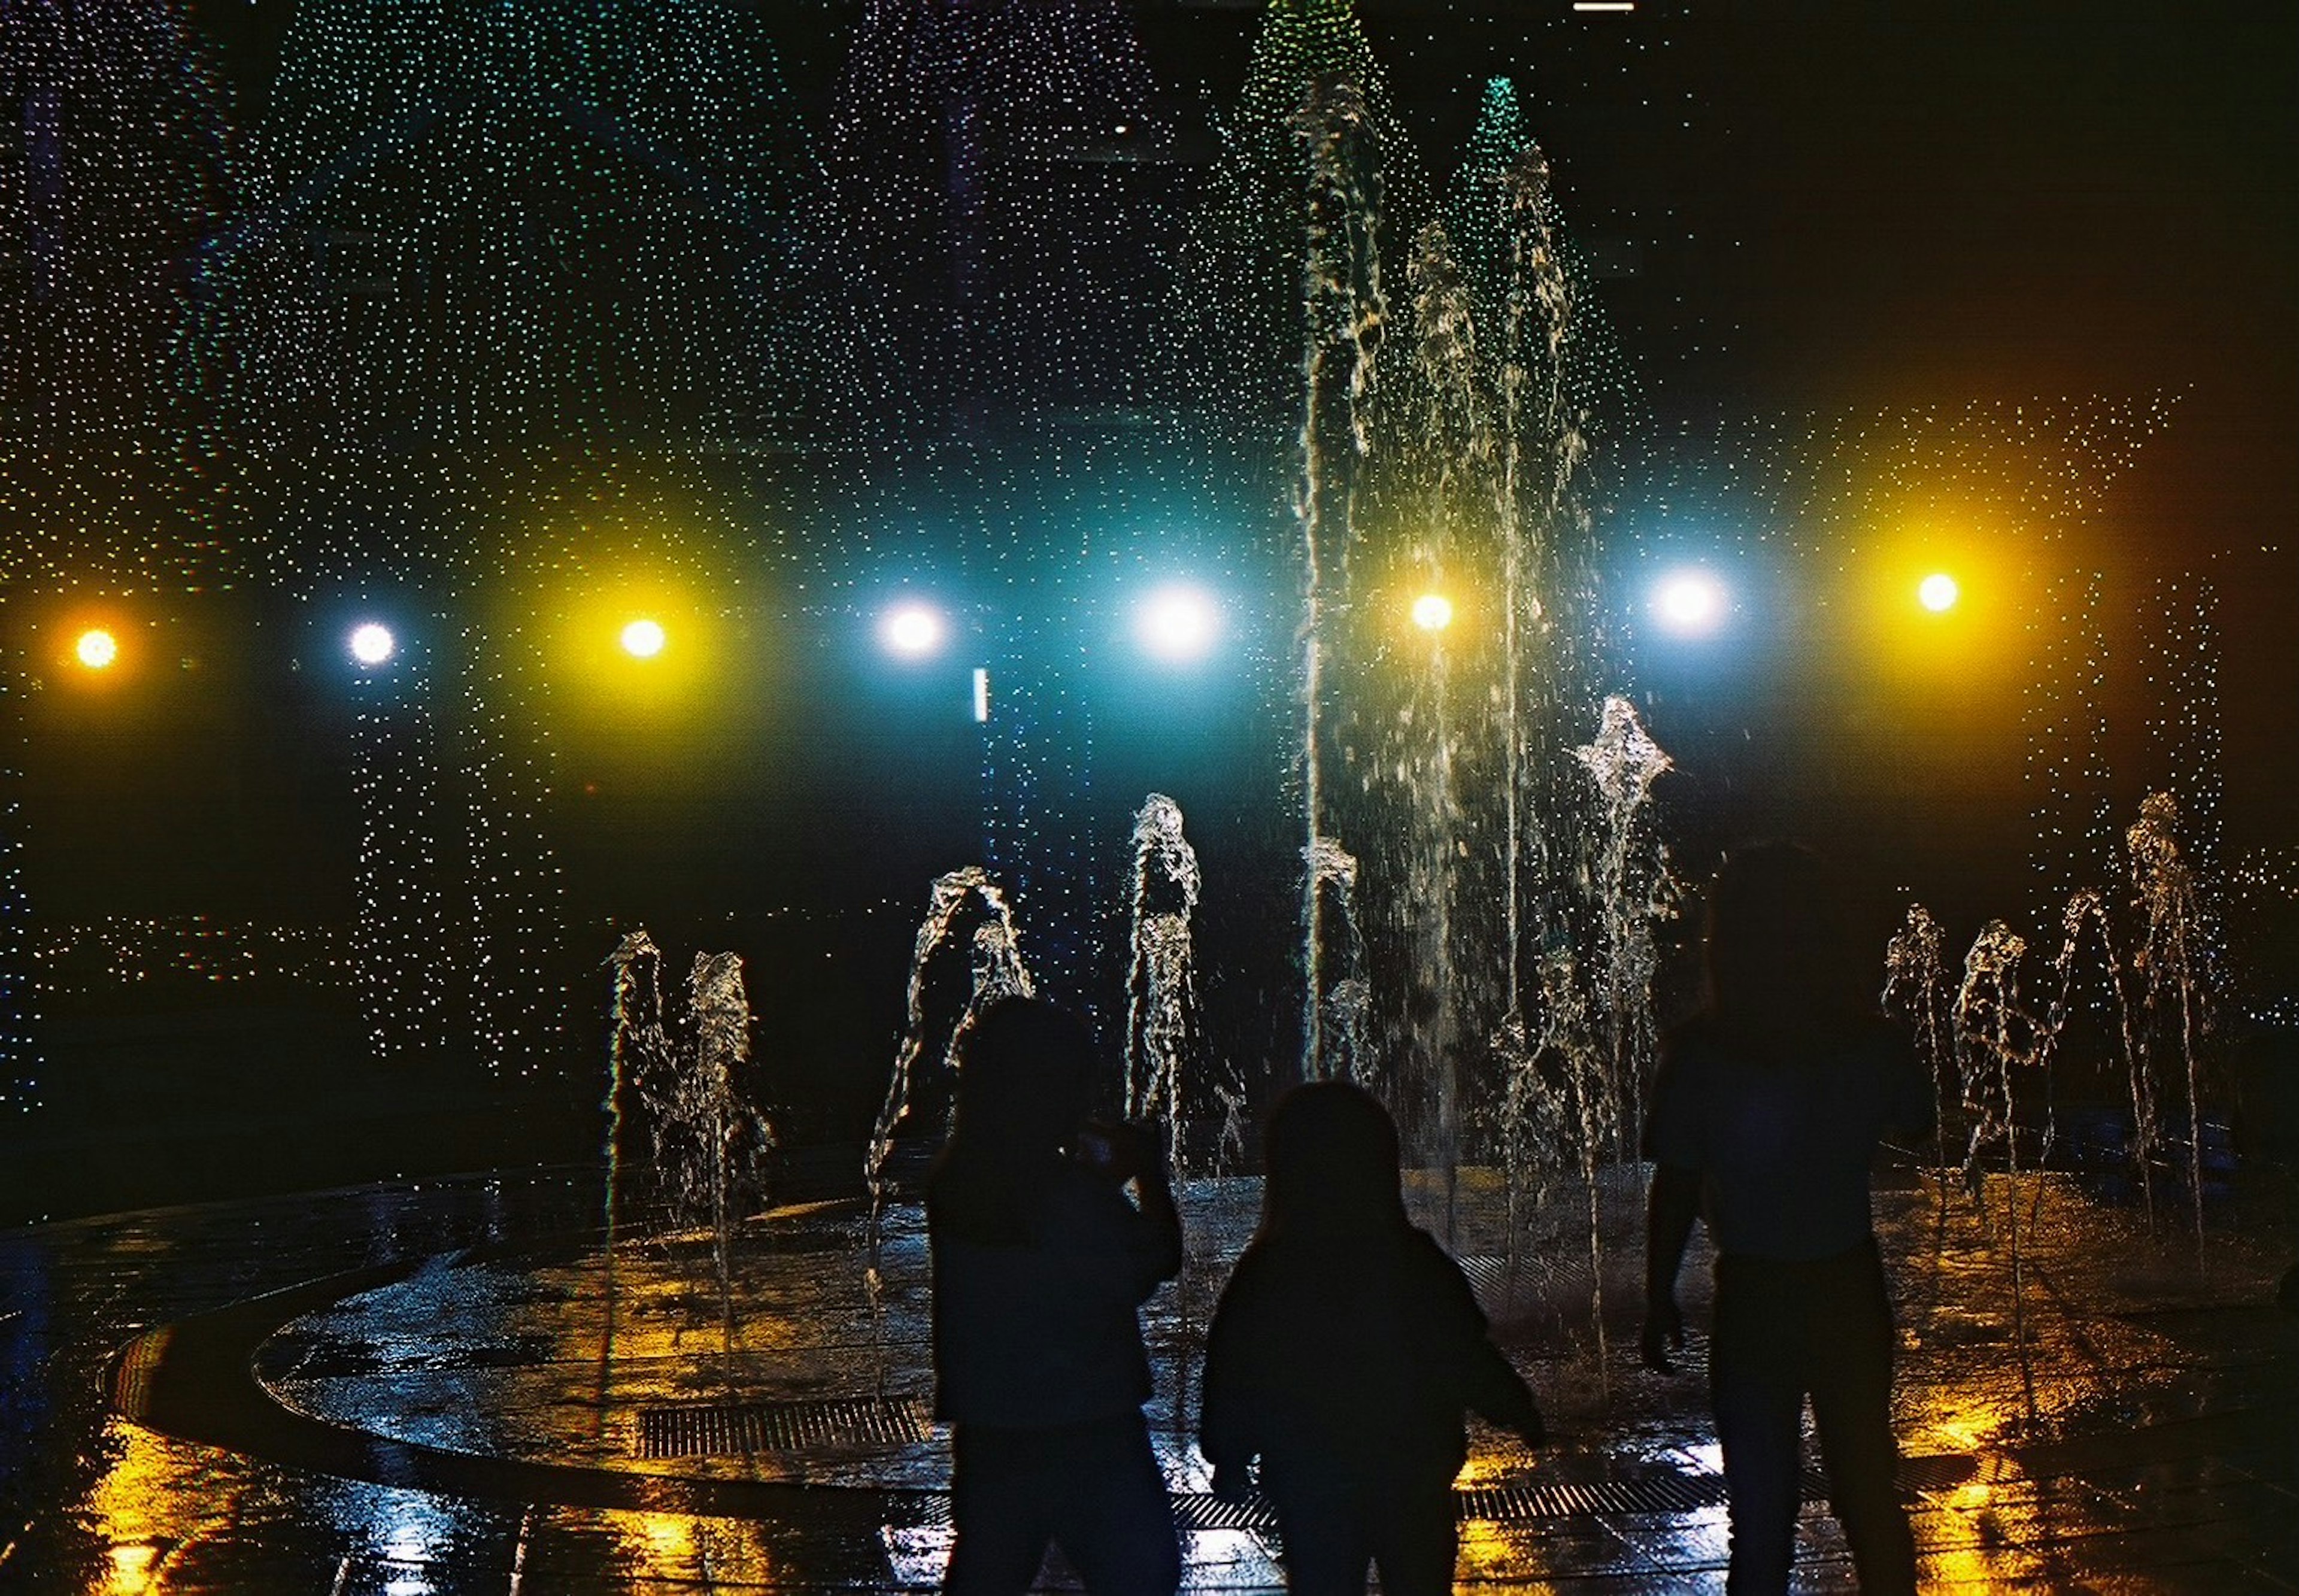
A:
(1178, 624)
(372, 644)
(1691, 602)
(913, 631)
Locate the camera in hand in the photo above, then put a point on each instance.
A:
(1113, 1150)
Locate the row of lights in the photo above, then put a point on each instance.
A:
(1178, 624)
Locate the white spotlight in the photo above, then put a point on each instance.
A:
(1178, 623)
(913, 631)
(372, 644)
(1690, 601)
(644, 638)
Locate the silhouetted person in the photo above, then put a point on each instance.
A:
(1345, 1353)
(1040, 1264)
(1768, 1112)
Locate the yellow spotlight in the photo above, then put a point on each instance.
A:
(96, 648)
(1432, 612)
(1938, 593)
(643, 639)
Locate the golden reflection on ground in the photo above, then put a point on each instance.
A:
(680, 1551)
(150, 1502)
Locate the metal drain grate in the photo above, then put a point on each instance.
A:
(1661, 1494)
(725, 1431)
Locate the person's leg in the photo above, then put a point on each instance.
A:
(997, 1501)
(1322, 1525)
(1756, 1384)
(1114, 1520)
(1417, 1537)
(1852, 1409)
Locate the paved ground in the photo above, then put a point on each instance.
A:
(452, 1386)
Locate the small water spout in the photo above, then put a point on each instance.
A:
(1993, 1035)
(1916, 988)
(1341, 1001)
(1161, 993)
(2170, 963)
(998, 972)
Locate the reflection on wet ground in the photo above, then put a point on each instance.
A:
(448, 1387)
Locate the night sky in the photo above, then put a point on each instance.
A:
(1841, 208)
(1823, 212)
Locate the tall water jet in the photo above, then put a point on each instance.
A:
(1340, 279)
(997, 971)
(1160, 991)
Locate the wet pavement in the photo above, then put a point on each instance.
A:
(454, 1386)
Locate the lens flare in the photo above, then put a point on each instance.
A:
(96, 648)
(913, 631)
(1178, 624)
(1432, 612)
(373, 643)
(1690, 601)
(644, 638)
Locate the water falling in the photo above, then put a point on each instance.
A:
(1160, 994)
(997, 972)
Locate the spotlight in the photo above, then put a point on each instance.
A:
(96, 648)
(372, 644)
(1178, 624)
(643, 639)
(1690, 601)
(912, 630)
(1432, 612)
(1938, 593)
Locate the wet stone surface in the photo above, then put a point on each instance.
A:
(501, 1404)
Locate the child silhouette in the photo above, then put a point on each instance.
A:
(1346, 1352)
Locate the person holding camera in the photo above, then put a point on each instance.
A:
(1344, 1357)
(1039, 1266)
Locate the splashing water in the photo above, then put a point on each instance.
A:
(997, 972)
(1161, 998)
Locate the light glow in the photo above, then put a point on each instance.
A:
(373, 643)
(644, 638)
(1938, 593)
(96, 648)
(1432, 612)
(1178, 624)
(913, 631)
(1690, 601)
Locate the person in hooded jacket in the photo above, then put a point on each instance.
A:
(1040, 1267)
(1345, 1353)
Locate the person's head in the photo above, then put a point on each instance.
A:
(1777, 952)
(1331, 1158)
(1025, 1079)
